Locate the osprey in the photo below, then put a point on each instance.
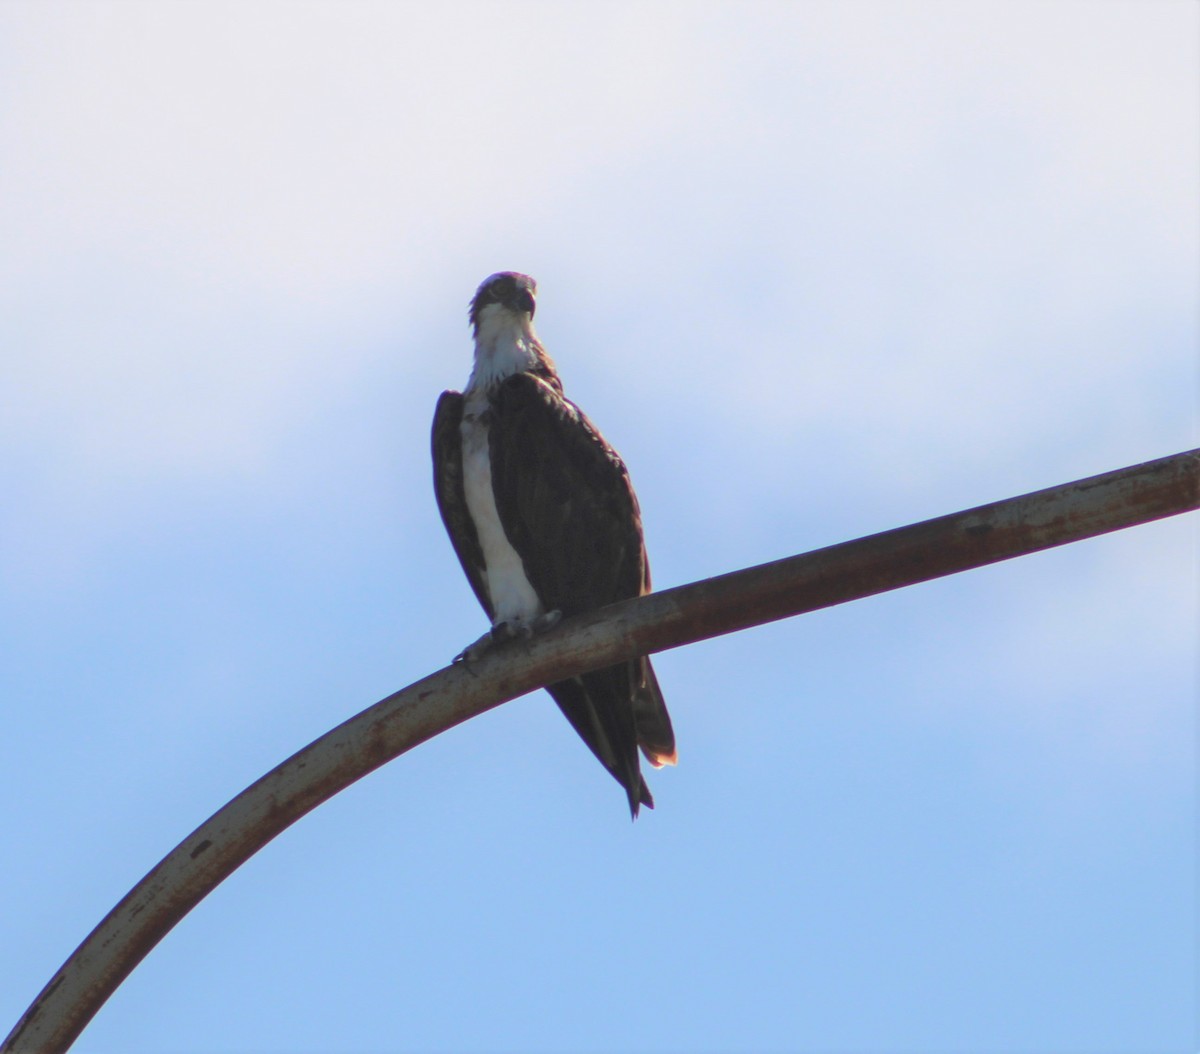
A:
(543, 518)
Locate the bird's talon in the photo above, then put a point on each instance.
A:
(503, 632)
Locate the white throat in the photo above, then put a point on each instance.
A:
(504, 345)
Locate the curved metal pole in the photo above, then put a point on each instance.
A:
(656, 622)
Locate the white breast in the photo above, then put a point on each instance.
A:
(512, 597)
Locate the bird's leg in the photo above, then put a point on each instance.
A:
(510, 629)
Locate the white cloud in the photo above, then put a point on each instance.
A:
(202, 203)
(987, 231)
(245, 132)
(922, 235)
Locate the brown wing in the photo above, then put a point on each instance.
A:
(569, 510)
(564, 497)
(448, 488)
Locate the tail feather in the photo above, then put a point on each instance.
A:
(615, 711)
(598, 707)
(655, 735)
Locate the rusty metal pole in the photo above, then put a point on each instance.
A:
(674, 617)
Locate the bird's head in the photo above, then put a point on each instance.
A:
(504, 294)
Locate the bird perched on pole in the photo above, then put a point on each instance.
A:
(541, 513)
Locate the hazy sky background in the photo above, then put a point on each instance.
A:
(817, 270)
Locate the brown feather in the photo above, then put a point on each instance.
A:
(448, 489)
(569, 509)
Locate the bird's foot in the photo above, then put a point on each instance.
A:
(503, 632)
(475, 651)
(546, 620)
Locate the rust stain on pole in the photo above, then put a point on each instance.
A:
(931, 549)
(669, 619)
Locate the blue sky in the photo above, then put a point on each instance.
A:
(817, 270)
